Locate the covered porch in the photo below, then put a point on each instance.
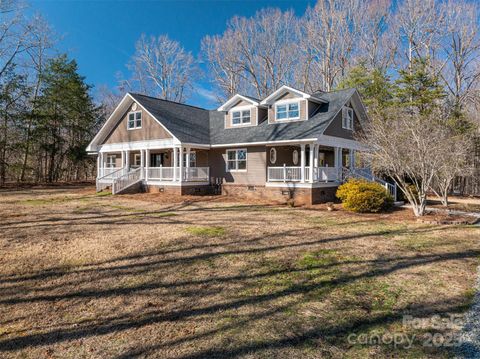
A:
(310, 163)
(174, 165)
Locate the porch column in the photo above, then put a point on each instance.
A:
(302, 163)
(147, 163)
(102, 164)
(174, 150)
(352, 158)
(310, 168)
(127, 160)
(187, 159)
(180, 164)
(123, 159)
(338, 162)
(98, 166)
(315, 157)
(142, 162)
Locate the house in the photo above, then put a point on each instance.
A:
(290, 144)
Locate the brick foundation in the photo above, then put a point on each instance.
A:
(300, 196)
(180, 190)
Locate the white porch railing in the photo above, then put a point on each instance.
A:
(160, 173)
(195, 174)
(189, 174)
(294, 174)
(284, 174)
(326, 174)
(126, 180)
(110, 174)
(366, 173)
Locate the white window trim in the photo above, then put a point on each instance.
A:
(135, 156)
(273, 151)
(345, 111)
(109, 163)
(287, 102)
(236, 159)
(135, 120)
(240, 109)
(185, 158)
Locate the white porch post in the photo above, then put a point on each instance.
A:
(187, 163)
(338, 161)
(302, 163)
(187, 160)
(310, 161)
(180, 164)
(174, 149)
(147, 163)
(123, 159)
(315, 148)
(127, 160)
(352, 158)
(98, 166)
(102, 161)
(142, 163)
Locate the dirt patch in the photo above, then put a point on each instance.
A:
(448, 219)
(88, 276)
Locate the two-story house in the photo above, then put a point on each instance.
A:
(289, 144)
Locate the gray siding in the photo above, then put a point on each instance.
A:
(255, 174)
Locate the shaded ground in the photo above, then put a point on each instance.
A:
(97, 276)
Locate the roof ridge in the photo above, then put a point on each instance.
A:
(164, 100)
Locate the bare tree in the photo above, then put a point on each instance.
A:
(407, 148)
(456, 152)
(254, 55)
(161, 67)
(331, 27)
(462, 49)
(375, 45)
(419, 25)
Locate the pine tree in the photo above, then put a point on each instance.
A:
(67, 118)
(373, 85)
(418, 89)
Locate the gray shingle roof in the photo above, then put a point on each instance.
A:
(280, 131)
(189, 124)
(196, 125)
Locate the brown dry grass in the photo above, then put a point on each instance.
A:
(88, 276)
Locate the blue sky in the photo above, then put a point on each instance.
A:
(101, 35)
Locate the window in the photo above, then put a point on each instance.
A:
(134, 120)
(137, 160)
(237, 160)
(273, 155)
(193, 159)
(111, 159)
(347, 118)
(288, 111)
(240, 117)
(295, 157)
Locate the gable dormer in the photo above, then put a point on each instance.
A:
(242, 111)
(288, 105)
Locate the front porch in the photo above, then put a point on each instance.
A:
(162, 166)
(309, 163)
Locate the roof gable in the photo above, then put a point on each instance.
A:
(237, 98)
(282, 91)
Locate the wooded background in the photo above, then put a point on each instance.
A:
(48, 113)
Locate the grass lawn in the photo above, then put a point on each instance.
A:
(99, 276)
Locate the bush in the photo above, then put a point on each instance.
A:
(364, 196)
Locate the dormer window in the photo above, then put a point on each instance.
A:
(347, 118)
(288, 111)
(134, 120)
(240, 117)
